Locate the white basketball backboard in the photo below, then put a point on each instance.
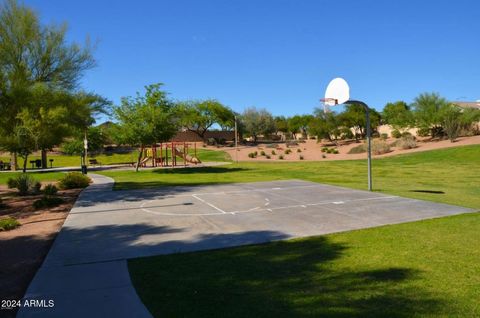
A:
(338, 92)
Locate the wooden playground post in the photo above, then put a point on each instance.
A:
(185, 151)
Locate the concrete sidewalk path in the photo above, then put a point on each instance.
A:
(97, 289)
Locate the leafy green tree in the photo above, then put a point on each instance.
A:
(97, 138)
(299, 124)
(398, 115)
(325, 125)
(281, 124)
(257, 122)
(429, 110)
(146, 119)
(200, 116)
(354, 117)
(32, 54)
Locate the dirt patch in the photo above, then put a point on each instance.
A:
(310, 150)
(24, 248)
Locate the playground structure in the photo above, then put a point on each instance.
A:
(165, 154)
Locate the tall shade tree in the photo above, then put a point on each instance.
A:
(257, 122)
(398, 115)
(281, 124)
(200, 116)
(325, 125)
(299, 124)
(354, 117)
(31, 54)
(429, 110)
(146, 119)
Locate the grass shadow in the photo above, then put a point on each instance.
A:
(213, 170)
(297, 278)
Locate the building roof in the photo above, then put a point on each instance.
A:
(468, 104)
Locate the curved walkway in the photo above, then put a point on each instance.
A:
(96, 288)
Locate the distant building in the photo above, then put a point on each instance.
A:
(468, 104)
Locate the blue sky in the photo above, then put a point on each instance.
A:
(277, 54)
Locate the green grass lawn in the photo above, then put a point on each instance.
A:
(426, 269)
(453, 171)
(422, 269)
(69, 161)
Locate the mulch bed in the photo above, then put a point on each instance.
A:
(22, 250)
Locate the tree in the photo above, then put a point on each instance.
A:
(33, 54)
(299, 124)
(146, 120)
(257, 122)
(429, 109)
(325, 125)
(354, 117)
(281, 124)
(200, 116)
(398, 115)
(456, 119)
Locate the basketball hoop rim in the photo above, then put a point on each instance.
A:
(325, 100)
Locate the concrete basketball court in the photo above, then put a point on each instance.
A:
(86, 272)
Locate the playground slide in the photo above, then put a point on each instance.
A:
(145, 160)
(186, 157)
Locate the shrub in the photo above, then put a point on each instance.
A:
(423, 132)
(358, 149)
(323, 156)
(380, 147)
(255, 153)
(280, 157)
(330, 150)
(50, 189)
(267, 156)
(12, 183)
(335, 151)
(273, 152)
(406, 134)
(8, 223)
(251, 155)
(74, 180)
(324, 149)
(396, 133)
(300, 157)
(299, 150)
(24, 183)
(287, 151)
(384, 136)
(262, 153)
(375, 134)
(47, 202)
(407, 142)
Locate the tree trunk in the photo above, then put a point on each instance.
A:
(140, 154)
(44, 159)
(13, 161)
(25, 160)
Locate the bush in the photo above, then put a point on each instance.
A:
(74, 180)
(287, 151)
(47, 202)
(8, 223)
(24, 183)
(323, 156)
(267, 156)
(251, 155)
(406, 134)
(375, 134)
(407, 142)
(299, 150)
(273, 152)
(396, 133)
(50, 189)
(262, 153)
(335, 151)
(423, 132)
(358, 149)
(324, 149)
(380, 147)
(384, 136)
(301, 157)
(280, 157)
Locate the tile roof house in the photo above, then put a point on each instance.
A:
(468, 104)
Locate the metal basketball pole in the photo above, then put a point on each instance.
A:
(236, 141)
(369, 139)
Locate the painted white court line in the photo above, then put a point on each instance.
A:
(208, 203)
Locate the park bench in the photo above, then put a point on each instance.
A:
(94, 162)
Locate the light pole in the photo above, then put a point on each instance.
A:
(369, 138)
(85, 148)
(236, 140)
